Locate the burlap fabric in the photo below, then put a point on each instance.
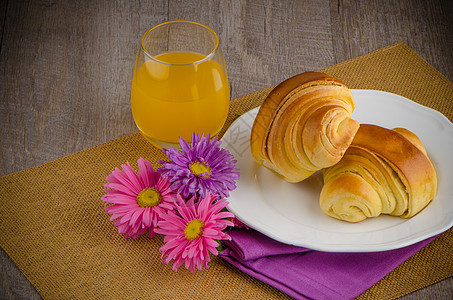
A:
(53, 224)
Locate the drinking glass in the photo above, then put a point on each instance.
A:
(180, 84)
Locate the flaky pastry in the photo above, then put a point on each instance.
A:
(303, 125)
(383, 172)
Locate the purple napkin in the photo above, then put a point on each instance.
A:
(303, 273)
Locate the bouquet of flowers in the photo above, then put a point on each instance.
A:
(184, 200)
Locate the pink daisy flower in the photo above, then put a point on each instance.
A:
(191, 231)
(137, 199)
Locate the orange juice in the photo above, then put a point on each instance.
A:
(177, 94)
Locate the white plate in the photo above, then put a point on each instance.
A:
(290, 213)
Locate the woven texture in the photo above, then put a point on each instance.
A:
(54, 227)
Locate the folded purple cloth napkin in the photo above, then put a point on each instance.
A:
(307, 274)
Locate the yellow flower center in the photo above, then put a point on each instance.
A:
(194, 229)
(197, 168)
(148, 197)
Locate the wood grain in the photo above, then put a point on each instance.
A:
(359, 27)
(66, 66)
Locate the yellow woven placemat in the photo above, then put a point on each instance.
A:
(53, 224)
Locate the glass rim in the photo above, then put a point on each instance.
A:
(207, 57)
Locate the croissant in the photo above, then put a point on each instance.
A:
(383, 172)
(303, 125)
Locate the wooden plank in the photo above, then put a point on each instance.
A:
(3, 5)
(264, 42)
(67, 69)
(359, 27)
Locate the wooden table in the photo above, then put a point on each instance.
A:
(66, 66)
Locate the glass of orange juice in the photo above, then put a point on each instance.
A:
(180, 84)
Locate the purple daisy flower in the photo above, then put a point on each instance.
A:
(200, 168)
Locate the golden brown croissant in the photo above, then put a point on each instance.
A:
(383, 172)
(303, 125)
